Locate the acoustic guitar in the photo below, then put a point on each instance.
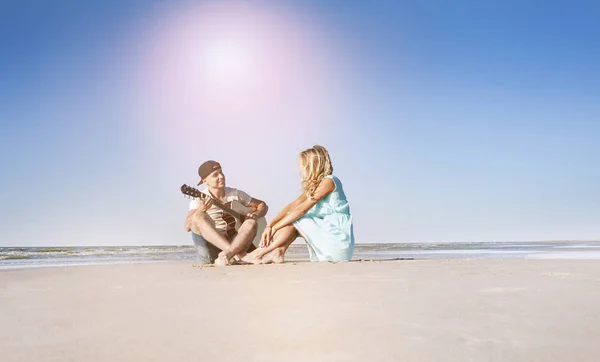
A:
(234, 213)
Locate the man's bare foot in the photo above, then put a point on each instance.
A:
(222, 259)
(276, 257)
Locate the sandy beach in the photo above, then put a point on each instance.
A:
(408, 310)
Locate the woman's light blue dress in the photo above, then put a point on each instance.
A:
(327, 227)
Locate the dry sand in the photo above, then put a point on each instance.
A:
(414, 310)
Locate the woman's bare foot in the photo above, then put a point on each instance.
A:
(255, 257)
(276, 257)
(240, 259)
(222, 259)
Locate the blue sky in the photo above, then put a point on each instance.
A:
(446, 121)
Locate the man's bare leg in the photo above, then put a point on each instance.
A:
(240, 243)
(202, 224)
(282, 239)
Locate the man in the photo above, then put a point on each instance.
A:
(213, 234)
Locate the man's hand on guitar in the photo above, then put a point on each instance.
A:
(266, 237)
(251, 215)
(205, 204)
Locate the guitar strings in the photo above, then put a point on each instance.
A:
(230, 221)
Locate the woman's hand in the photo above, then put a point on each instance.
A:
(266, 237)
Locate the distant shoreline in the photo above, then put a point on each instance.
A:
(44, 256)
(298, 242)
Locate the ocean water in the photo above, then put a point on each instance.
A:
(32, 257)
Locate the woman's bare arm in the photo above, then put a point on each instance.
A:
(287, 209)
(303, 204)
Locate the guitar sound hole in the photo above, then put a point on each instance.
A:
(230, 221)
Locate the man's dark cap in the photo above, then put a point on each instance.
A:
(207, 168)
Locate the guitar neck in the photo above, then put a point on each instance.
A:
(220, 205)
(191, 191)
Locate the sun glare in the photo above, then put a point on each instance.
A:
(226, 62)
(233, 63)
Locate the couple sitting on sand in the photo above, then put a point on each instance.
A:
(320, 215)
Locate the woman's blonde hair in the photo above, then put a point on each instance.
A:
(316, 164)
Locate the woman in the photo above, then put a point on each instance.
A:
(320, 215)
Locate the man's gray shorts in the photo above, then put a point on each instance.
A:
(207, 252)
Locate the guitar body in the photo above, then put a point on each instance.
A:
(241, 209)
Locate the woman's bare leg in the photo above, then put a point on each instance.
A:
(282, 239)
